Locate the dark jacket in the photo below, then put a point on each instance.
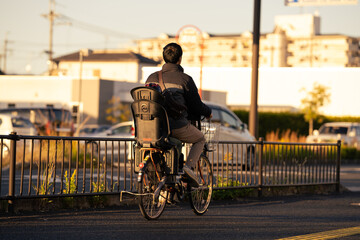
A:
(185, 91)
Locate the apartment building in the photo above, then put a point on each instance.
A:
(295, 42)
(324, 51)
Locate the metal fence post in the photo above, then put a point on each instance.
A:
(260, 167)
(338, 164)
(12, 167)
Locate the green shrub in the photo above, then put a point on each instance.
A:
(283, 121)
(228, 194)
(349, 153)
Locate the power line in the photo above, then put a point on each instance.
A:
(89, 27)
(40, 44)
(96, 29)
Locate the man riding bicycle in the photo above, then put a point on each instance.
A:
(185, 92)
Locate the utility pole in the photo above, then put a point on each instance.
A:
(6, 41)
(253, 116)
(51, 16)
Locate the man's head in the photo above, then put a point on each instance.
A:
(172, 53)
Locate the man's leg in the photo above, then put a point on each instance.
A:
(191, 134)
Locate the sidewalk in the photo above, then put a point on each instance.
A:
(350, 177)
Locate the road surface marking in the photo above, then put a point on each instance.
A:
(327, 235)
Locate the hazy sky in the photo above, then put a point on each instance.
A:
(116, 23)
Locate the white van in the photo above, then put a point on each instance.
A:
(347, 132)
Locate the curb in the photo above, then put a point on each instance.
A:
(106, 201)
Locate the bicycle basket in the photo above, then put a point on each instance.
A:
(211, 134)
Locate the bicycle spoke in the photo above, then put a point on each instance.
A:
(200, 197)
(151, 208)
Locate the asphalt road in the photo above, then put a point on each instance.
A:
(268, 218)
(350, 177)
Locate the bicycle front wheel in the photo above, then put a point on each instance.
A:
(151, 206)
(200, 197)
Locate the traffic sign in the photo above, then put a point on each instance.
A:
(319, 2)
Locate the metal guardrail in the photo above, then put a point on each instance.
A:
(46, 166)
(268, 164)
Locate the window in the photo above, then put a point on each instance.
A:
(216, 118)
(229, 120)
(122, 129)
(21, 123)
(75, 109)
(333, 130)
(96, 72)
(357, 130)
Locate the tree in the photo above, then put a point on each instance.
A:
(118, 112)
(314, 100)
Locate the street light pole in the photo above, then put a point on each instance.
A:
(82, 53)
(201, 65)
(253, 116)
(192, 37)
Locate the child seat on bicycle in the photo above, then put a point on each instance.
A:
(152, 129)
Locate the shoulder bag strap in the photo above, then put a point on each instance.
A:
(161, 81)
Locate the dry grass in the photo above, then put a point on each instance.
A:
(286, 136)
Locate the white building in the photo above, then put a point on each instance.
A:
(295, 42)
(118, 65)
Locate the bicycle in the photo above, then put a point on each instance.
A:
(158, 187)
(159, 161)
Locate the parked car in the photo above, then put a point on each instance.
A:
(48, 121)
(347, 132)
(9, 124)
(93, 129)
(120, 130)
(20, 125)
(231, 128)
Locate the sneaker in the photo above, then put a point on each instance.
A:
(190, 176)
(162, 197)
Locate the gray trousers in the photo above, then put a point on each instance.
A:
(191, 134)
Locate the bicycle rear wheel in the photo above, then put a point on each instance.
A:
(200, 197)
(151, 206)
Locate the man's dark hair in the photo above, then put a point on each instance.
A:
(172, 53)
